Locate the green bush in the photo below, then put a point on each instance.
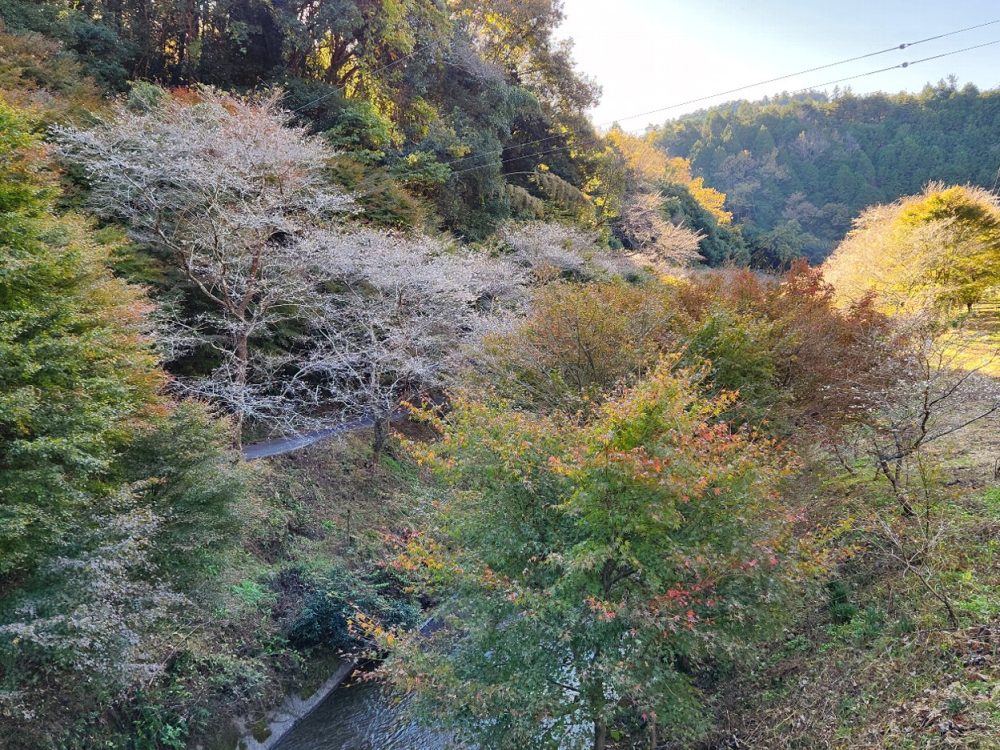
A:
(338, 596)
(839, 602)
(742, 354)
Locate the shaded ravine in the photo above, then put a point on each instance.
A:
(354, 716)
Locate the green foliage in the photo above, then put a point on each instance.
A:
(383, 200)
(568, 200)
(37, 73)
(342, 71)
(523, 204)
(193, 485)
(839, 602)
(67, 328)
(741, 352)
(70, 42)
(340, 597)
(145, 97)
(115, 504)
(360, 129)
(599, 565)
(421, 170)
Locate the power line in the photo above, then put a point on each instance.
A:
(820, 85)
(505, 161)
(838, 63)
(902, 65)
(813, 70)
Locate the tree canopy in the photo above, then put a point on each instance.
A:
(938, 248)
(632, 546)
(67, 328)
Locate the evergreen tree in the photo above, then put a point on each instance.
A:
(76, 372)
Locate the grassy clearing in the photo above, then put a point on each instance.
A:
(974, 343)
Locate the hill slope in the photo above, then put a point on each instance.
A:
(797, 170)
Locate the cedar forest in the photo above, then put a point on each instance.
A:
(676, 440)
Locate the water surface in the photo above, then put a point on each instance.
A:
(359, 716)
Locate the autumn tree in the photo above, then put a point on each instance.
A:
(650, 164)
(661, 209)
(712, 200)
(596, 565)
(395, 315)
(224, 189)
(552, 250)
(940, 248)
(644, 160)
(799, 361)
(576, 345)
(652, 235)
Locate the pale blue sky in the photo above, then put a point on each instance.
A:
(651, 53)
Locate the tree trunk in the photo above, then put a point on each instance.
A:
(242, 351)
(238, 431)
(380, 435)
(600, 734)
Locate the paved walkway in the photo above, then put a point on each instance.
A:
(277, 446)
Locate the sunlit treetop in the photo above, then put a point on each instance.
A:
(934, 250)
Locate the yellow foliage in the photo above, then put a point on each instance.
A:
(679, 170)
(652, 165)
(640, 155)
(710, 199)
(936, 249)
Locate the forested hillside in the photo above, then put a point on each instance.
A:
(796, 170)
(322, 320)
(411, 90)
(451, 116)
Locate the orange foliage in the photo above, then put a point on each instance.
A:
(828, 359)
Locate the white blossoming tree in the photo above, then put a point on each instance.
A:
(395, 316)
(225, 188)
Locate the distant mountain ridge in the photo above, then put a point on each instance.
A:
(796, 170)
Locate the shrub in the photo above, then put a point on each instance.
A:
(37, 73)
(784, 344)
(578, 343)
(793, 356)
(337, 598)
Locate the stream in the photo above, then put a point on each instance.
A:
(357, 716)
